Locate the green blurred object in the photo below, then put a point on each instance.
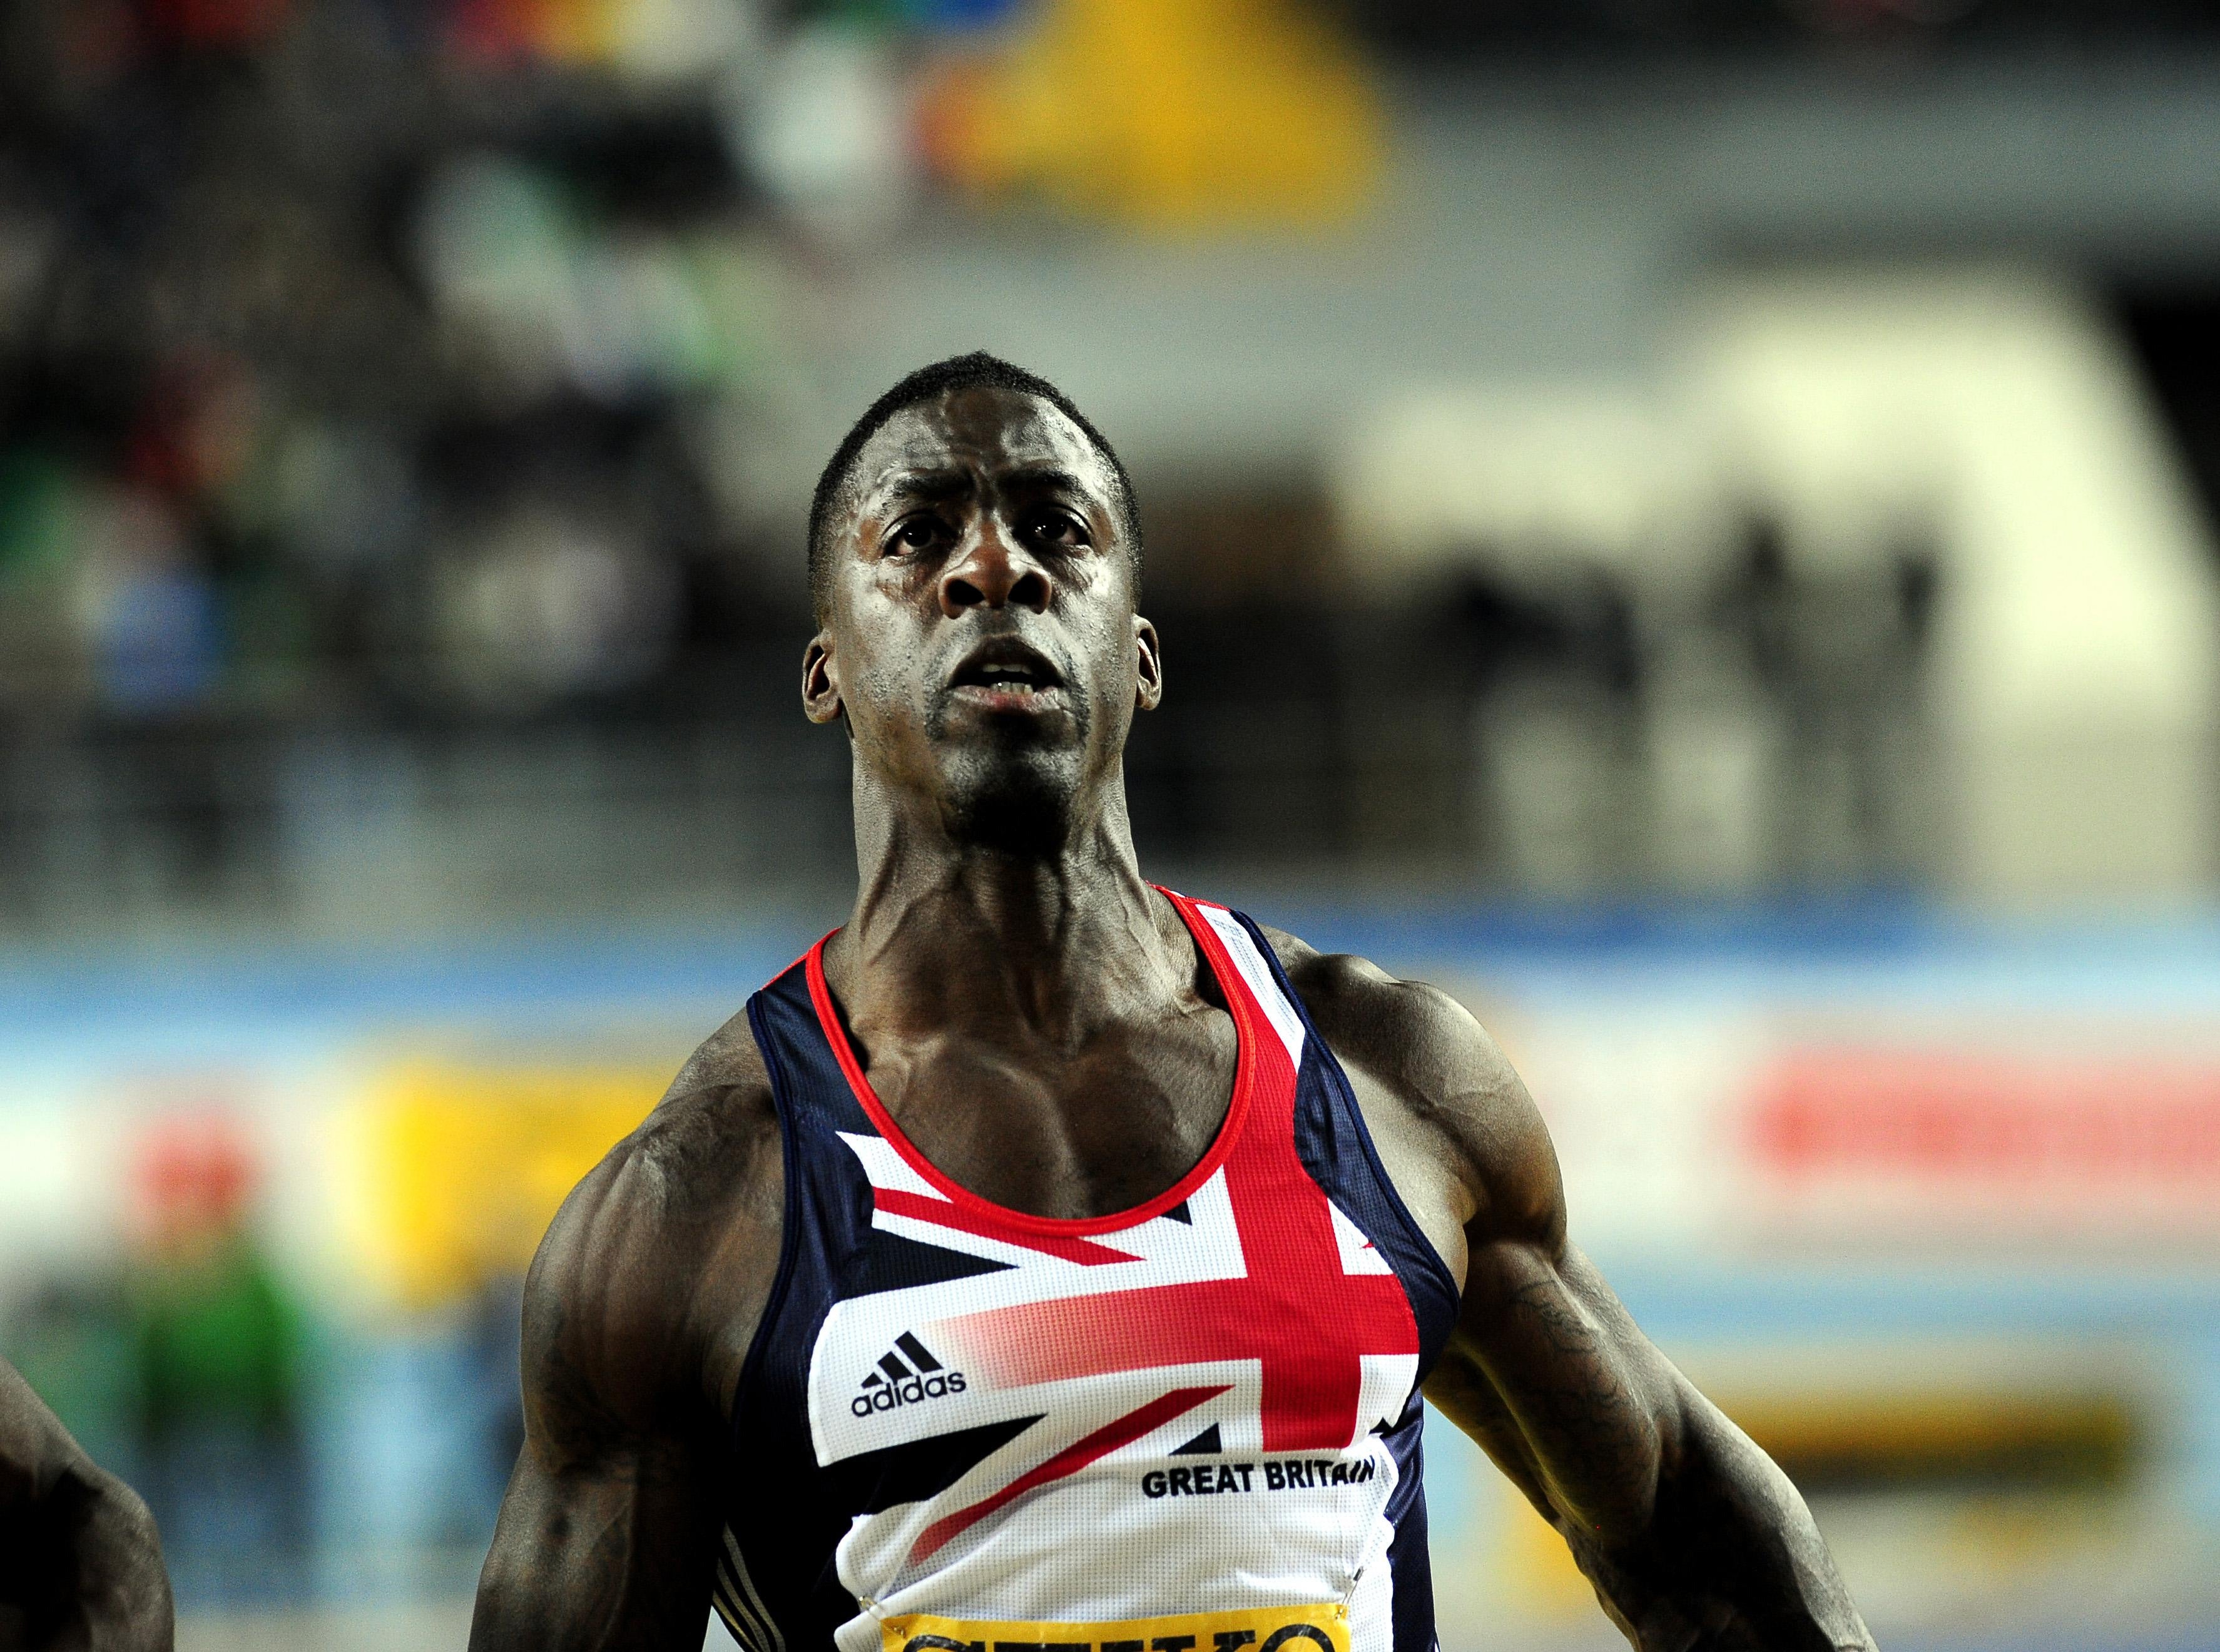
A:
(218, 1341)
(873, 15)
(38, 513)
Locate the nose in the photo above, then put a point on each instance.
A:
(991, 573)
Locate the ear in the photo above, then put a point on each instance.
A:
(1148, 678)
(820, 680)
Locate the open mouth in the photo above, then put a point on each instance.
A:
(1005, 671)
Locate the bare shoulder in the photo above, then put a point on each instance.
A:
(1430, 1055)
(1410, 1035)
(727, 1057)
(631, 1306)
(113, 1584)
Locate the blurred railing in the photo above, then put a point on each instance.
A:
(359, 824)
(1436, 743)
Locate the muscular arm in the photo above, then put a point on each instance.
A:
(1691, 1535)
(1694, 1539)
(80, 1565)
(649, 1278)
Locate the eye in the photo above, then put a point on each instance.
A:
(1059, 528)
(915, 534)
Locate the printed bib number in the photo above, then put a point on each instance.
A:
(1274, 1629)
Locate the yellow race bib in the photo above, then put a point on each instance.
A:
(1272, 1629)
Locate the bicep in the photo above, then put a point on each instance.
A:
(606, 1532)
(1545, 1369)
(1684, 1526)
(608, 1549)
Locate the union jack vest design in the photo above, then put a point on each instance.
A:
(1190, 1426)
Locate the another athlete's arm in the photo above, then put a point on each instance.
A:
(80, 1564)
(1691, 1535)
(607, 1536)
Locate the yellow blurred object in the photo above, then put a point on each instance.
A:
(1539, 1576)
(469, 1162)
(578, 31)
(1170, 114)
(2006, 1480)
(2035, 1439)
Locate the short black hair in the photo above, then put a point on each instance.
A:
(976, 370)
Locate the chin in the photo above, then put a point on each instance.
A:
(1022, 802)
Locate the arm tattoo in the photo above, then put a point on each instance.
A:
(1596, 1438)
(570, 1414)
(1694, 1541)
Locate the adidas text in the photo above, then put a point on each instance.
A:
(909, 1372)
(887, 1395)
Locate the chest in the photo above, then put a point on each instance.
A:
(1245, 1302)
(1064, 1133)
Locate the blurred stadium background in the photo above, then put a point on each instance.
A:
(1690, 522)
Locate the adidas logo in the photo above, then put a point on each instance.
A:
(895, 1383)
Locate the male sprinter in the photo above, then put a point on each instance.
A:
(1052, 1262)
(80, 1566)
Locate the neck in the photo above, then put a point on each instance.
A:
(952, 934)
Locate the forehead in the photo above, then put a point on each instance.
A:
(984, 430)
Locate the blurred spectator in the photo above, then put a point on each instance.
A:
(219, 1366)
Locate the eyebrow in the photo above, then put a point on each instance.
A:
(930, 486)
